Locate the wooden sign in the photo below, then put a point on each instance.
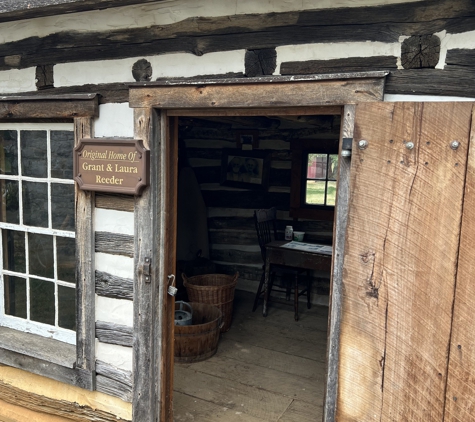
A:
(112, 165)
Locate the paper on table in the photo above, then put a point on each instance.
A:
(309, 247)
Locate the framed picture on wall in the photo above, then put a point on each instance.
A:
(245, 169)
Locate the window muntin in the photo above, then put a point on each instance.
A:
(37, 229)
(320, 183)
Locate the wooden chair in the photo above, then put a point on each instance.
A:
(265, 222)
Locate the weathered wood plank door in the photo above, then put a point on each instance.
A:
(400, 265)
(460, 397)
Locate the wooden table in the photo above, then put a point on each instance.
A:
(277, 254)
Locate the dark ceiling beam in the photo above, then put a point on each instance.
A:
(11, 10)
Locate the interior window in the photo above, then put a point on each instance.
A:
(320, 185)
(37, 227)
(314, 178)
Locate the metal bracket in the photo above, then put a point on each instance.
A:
(145, 269)
(347, 144)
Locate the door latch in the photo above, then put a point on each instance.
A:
(145, 269)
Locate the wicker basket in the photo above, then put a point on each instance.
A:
(213, 289)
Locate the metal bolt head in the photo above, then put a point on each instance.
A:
(410, 145)
(363, 144)
(454, 145)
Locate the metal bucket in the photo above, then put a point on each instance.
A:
(183, 313)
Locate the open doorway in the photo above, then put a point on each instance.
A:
(270, 368)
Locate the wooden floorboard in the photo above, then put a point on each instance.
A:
(265, 369)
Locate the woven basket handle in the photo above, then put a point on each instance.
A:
(185, 279)
(236, 276)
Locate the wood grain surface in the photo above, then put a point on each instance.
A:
(400, 260)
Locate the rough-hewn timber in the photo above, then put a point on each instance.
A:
(114, 243)
(109, 285)
(252, 31)
(43, 404)
(108, 332)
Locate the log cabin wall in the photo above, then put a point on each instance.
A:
(428, 47)
(232, 234)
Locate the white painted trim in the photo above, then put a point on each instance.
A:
(120, 266)
(22, 324)
(115, 120)
(117, 311)
(113, 221)
(163, 66)
(38, 328)
(36, 126)
(118, 356)
(17, 80)
(38, 230)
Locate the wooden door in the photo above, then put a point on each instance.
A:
(400, 264)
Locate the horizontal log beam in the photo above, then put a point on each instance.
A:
(109, 285)
(115, 202)
(48, 107)
(248, 94)
(46, 405)
(114, 381)
(11, 10)
(350, 64)
(201, 35)
(247, 224)
(110, 333)
(74, 376)
(460, 57)
(246, 199)
(114, 243)
(453, 80)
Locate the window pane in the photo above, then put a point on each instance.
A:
(42, 301)
(67, 307)
(9, 212)
(14, 251)
(40, 249)
(62, 144)
(8, 152)
(315, 192)
(333, 167)
(331, 193)
(316, 166)
(66, 257)
(34, 161)
(15, 296)
(35, 204)
(62, 206)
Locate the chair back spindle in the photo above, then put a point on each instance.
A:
(265, 221)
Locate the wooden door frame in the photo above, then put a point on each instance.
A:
(154, 104)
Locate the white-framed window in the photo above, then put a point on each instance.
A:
(37, 229)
